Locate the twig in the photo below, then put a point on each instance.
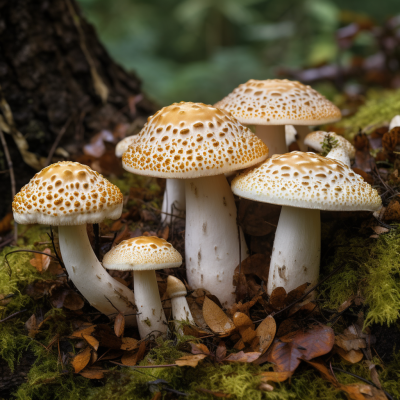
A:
(364, 380)
(51, 236)
(12, 177)
(57, 141)
(13, 315)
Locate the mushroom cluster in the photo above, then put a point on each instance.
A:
(194, 146)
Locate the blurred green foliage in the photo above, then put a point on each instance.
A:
(199, 50)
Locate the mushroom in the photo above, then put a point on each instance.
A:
(394, 122)
(143, 255)
(273, 103)
(174, 202)
(70, 195)
(176, 291)
(341, 149)
(199, 143)
(304, 184)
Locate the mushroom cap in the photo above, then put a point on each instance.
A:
(67, 193)
(316, 139)
(192, 140)
(141, 254)
(123, 145)
(279, 102)
(307, 180)
(175, 287)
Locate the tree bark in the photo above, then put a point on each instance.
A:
(57, 83)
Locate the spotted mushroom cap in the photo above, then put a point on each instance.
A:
(175, 287)
(67, 193)
(307, 180)
(316, 139)
(279, 102)
(142, 253)
(123, 145)
(191, 140)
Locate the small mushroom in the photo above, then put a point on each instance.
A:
(199, 143)
(342, 149)
(394, 122)
(177, 292)
(273, 103)
(70, 195)
(304, 184)
(174, 202)
(144, 255)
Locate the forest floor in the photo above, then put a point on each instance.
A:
(338, 340)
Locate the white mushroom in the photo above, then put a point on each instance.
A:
(143, 255)
(273, 103)
(304, 184)
(200, 143)
(177, 292)
(174, 202)
(342, 150)
(394, 122)
(70, 195)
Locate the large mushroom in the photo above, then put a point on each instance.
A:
(341, 149)
(174, 202)
(199, 143)
(273, 103)
(144, 255)
(304, 184)
(70, 195)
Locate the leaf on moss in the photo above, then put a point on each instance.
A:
(243, 357)
(361, 391)
(190, 360)
(40, 261)
(216, 319)
(199, 348)
(131, 358)
(81, 359)
(93, 373)
(271, 376)
(352, 356)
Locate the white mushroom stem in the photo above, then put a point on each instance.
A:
(180, 310)
(174, 200)
(274, 137)
(338, 153)
(302, 132)
(211, 237)
(296, 252)
(86, 272)
(290, 135)
(151, 318)
(394, 122)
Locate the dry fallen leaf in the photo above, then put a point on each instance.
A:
(350, 340)
(5, 223)
(131, 358)
(93, 373)
(266, 333)
(361, 391)
(271, 376)
(129, 344)
(277, 298)
(352, 356)
(199, 348)
(190, 360)
(40, 261)
(216, 319)
(88, 330)
(119, 325)
(93, 342)
(287, 352)
(245, 326)
(243, 357)
(220, 353)
(32, 326)
(81, 359)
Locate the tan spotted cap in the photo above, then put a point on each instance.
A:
(279, 102)
(316, 139)
(191, 140)
(67, 193)
(175, 287)
(142, 253)
(123, 145)
(307, 180)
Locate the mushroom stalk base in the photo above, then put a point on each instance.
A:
(181, 312)
(211, 237)
(302, 132)
(151, 318)
(84, 269)
(174, 200)
(274, 137)
(296, 252)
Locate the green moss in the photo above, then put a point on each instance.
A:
(135, 181)
(379, 109)
(372, 269)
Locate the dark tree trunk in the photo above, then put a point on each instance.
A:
(57, 82)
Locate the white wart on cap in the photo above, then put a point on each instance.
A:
(190, 140)
(144, 255)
